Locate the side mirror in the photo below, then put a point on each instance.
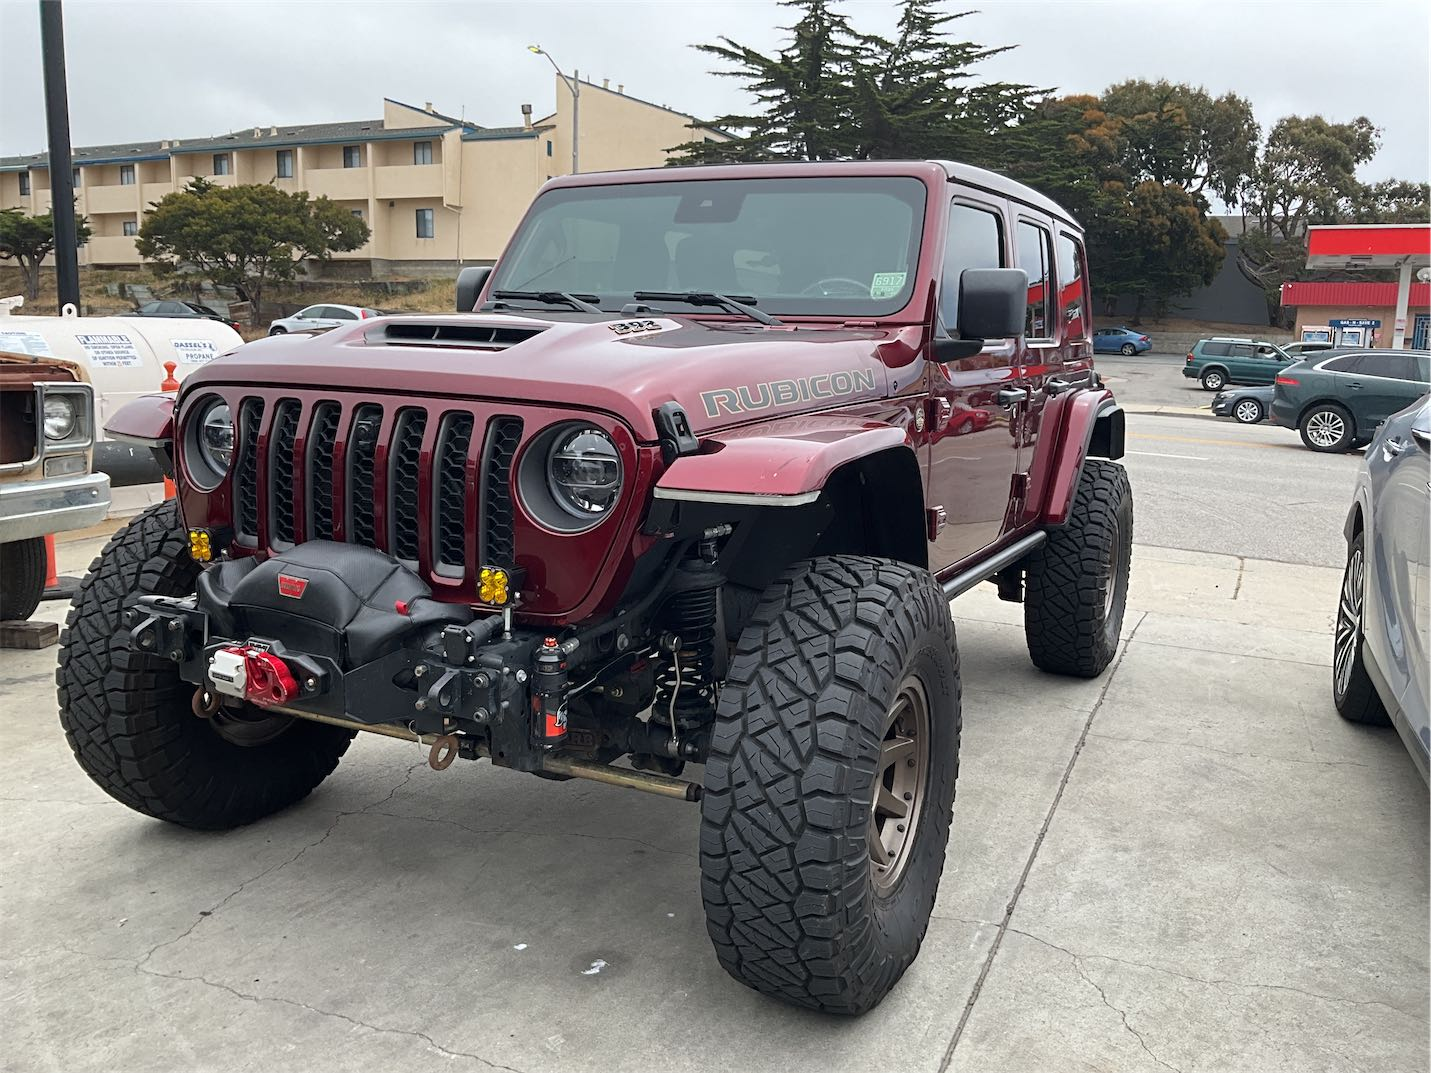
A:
(470, 282)
(993, 303)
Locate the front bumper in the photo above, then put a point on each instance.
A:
(55, 505)
(1222, 405)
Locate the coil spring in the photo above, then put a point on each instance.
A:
(690, 615)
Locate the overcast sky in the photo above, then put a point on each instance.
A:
(145, 71)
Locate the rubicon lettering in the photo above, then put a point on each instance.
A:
(748, 398)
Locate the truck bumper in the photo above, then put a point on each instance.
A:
(57, 505)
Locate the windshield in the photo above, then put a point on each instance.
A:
(828, 246)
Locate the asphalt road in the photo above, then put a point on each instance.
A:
(1151, 379)
(1254, 491)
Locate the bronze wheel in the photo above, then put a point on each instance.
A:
(899, 785)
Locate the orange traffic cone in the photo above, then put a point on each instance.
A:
(170, 385)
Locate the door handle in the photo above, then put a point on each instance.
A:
(1011, 396)
(1355, 384)
(1392, 447)
(1423, 437)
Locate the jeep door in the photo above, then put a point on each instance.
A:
(973, 449)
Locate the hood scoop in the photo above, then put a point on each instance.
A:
(441, 333)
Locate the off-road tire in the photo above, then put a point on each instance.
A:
(22, 578)
(1353, 691)
(127, 715)
(1071, 616)
(1328, 416)
(791, 901)
(1213, 380)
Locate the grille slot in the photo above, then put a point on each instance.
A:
(454, 439)
(410, 332)
(503, 435)
(281, 507)
(246, 472)
(404, 470)
(322, 441)
(361, 466)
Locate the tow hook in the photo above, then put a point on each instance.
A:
(444, 750)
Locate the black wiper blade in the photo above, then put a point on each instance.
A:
(582, 302)
(743, 304)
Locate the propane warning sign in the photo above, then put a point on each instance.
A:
(194, 351)
(110, 351)
(25, 343)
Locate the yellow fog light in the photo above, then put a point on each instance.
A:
(200, 548)
(492, 585)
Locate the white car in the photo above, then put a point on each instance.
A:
(320, 318)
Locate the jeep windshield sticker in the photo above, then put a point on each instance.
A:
(887, 284)
(751, 397)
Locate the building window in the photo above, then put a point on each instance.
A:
(352, 156)
(422, 152)
(424, 223)
(221, 163)
(75, 177)
(24, 184)
(356, 212)
(126, 175)
(285, 163)
(131, 228)
(549, 148)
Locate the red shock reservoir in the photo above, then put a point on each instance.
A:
(549, 683)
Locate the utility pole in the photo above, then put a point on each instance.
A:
(62, 182)
(573, 84)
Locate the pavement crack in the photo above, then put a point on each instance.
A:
(1122, 1014)
(1228, 752)
(1003, 927)
(1220, 983)
(1241, 570)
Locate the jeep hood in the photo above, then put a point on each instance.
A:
(723, 373)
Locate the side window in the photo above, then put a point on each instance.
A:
(1216, 350)
(975, 239)
(1349, 364)
(1243, 350)
(1035, 260)
(339, 313)
(1394, 366)
(1072, 289)
(311, 313)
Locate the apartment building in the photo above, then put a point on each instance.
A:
(435, 190)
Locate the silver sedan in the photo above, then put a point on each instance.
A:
(1380, 659)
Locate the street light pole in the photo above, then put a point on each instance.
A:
(62, 185)
(573, 84)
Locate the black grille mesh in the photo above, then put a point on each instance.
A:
(322, 439)
(503, 435)
(404, 460)
(362, 452)
(454, 439)
(280, 470)
(246, 470)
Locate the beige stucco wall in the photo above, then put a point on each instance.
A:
(615, 131)
(1319, 316)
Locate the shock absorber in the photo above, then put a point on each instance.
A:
(685, 685)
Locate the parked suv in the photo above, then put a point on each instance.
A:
(46, 436)
(1215, 363)
(1336, 402)
(693, 485)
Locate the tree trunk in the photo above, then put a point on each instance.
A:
(31, 268)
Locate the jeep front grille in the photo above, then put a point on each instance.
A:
(429, 485)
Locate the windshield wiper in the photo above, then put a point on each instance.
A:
(582, 302)
(744, 304)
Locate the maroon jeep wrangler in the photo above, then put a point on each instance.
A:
(690, 478)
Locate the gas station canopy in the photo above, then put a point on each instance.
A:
(1405, 247)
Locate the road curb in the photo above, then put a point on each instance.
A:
(1171, 411)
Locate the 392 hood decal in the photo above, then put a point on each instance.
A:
(749, 398)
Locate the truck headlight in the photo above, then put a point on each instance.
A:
(61, 416)
(584, 473)
(209, 443)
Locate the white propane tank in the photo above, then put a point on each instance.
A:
(124, 356)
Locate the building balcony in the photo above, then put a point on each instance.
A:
(115, 198)
(341, 184)
(110, 250)
(152, 192)
(409, 180)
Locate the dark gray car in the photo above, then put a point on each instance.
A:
(1381, 653)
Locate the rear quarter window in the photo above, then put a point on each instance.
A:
(1392, 366)
(1349, 364)
(1072, 289)
(1216, 350)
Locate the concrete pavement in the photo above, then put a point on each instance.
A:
(1190, 863)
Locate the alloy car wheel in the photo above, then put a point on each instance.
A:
(1348, 633)
(1248, 411)
(1129, 349)
(1327, 428)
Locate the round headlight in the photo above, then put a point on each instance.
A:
(60, 417)
(216, 437)
(584, 473)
